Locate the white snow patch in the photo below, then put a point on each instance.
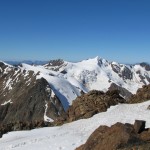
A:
(47, 119)
(6, 102)
(52, 94)
(72, 135)
(8, 84)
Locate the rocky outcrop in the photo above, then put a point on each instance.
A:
(122, 91)
(123, 71)
(142, 95)
(119, 137)
(54, 64)
(145, 65)
(87, 105)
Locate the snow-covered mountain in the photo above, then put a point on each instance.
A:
(100, 74)
(47, 91)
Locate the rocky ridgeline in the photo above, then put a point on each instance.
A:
(142, 95)
(86, 105)
(119, 137)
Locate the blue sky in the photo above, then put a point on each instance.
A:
(75, 29)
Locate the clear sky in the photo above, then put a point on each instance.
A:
(75, 29)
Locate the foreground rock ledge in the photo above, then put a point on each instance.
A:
(119, 137)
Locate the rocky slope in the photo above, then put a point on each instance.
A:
(142, 95)
(89, 104)
(119, 137)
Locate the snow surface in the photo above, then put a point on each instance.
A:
(47, 119)
(71, 135)
(6, 102)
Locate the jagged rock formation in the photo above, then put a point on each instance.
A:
(119, 137)
(87, 105)
(142, 95)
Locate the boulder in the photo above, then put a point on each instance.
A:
(143, 94)
(139, 126)
(119, 137)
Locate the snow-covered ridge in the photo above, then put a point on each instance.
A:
(99, 74)
(72, 135)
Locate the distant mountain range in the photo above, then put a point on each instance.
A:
(30, 62)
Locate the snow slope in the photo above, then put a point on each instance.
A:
(99, 74)
(71, 135)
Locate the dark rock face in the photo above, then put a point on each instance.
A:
(93, 102)
(1, 134)
(124, 92)
(145, 65)
(117, 137)
(29, 104)
(142, 95)
(55, 64)
(125, 73)
(139, 126)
